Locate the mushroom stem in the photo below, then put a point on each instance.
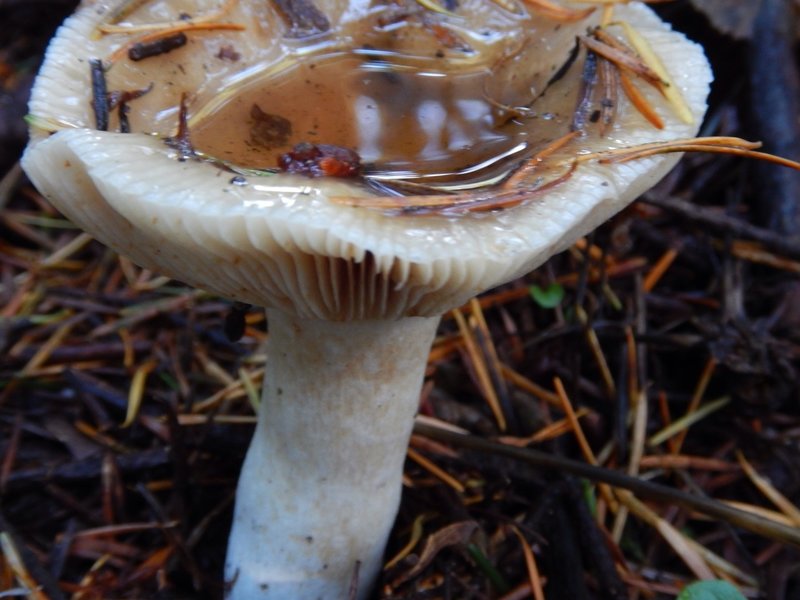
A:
(320, 487)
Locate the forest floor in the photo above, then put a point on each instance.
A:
(664, 347)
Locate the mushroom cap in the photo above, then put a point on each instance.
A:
(280, 241)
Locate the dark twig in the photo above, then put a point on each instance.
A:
(645, 489)
(89, 468)
(725, 223)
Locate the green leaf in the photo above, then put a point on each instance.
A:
(710, 590)
(548, 297)
(485, 565)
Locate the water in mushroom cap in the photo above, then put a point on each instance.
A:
(426, 265)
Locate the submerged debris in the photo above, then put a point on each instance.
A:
(321, 160)
(268, 130)
(303, 17)
(99, 94)
(181, 141)
(142, 50)
(120, 99)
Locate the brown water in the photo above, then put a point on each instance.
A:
(403, 119)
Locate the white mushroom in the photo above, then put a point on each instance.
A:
(353, 295)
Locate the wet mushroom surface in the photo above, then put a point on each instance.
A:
(528, 90)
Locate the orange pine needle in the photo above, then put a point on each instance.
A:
(639, 102)
(481, 370)
(583, 443)
(658, 270)
(530, 564)
(435, 470)
(623, 59)
(531, 165)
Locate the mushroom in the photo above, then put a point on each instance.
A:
(354, 272)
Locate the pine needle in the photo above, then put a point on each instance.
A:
(770, 492)
(555, 12)
(435, 470)
(530, 565)
(136, 392)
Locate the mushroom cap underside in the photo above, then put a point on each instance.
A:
(281, 241)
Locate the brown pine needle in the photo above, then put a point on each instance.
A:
(714, 145)
(124, 528)
(481, 370)
(487, 201)
(529, 386)
(666, 416)
(639, 433)
(57, 258)
(639, 102)
(657, 272)
(672, 536)
(521, 174)
(546, 433)
(594, 251)
(764, 513)
(435, 470)
(597, 352)
(633, 365)
(624, 59)
(129, 354)
(572, 417)
(530, 565)
(102, 439)
(697, 397)
(44, 352)
(488, 349)
(136, 392)
(684, 461)
(755, 253)
(444, 348)
(583, 443)
(770, 492)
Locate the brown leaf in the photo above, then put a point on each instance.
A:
(450, 535)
